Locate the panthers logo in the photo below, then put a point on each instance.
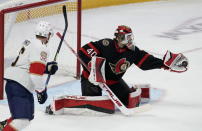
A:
(43, 56)
(120, 67)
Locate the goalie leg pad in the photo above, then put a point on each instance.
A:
(145, 92)
(96, 103)
(134, 98)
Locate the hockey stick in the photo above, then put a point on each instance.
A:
(61, 41)
(113, 97)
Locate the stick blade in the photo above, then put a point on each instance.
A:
(141, 109)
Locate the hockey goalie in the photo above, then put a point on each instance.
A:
(139, 93)
(106, 61)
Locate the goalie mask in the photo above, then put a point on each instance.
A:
(43, 29)
(124, 35)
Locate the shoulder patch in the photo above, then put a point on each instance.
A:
(26, 42)
(43, 56)
(105, 42)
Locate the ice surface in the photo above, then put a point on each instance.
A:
(155, 25)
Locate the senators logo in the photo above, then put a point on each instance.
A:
(105, 42)
(120, 67)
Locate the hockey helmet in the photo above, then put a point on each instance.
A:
(124, 35)
(43, 29)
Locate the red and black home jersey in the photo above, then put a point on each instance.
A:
(118, 60)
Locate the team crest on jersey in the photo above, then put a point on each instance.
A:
(43, 56)
(105, 42)
(120, 67)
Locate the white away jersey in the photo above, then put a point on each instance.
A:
(29, 66)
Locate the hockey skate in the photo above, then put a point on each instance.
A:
(49, 110)
(2, 124)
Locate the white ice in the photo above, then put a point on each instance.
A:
(180, 107)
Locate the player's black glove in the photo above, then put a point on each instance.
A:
(42, 96)
(51, 68)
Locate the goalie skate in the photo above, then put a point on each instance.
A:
(49, 110)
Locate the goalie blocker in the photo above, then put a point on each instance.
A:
(139, 94)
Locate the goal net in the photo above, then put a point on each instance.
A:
(18, 21)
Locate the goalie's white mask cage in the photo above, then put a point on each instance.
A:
(18, 23)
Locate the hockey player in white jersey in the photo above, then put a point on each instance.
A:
(26, 76)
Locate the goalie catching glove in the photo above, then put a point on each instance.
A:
(97, 72)
(175, 62)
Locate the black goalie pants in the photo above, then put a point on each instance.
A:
(120, 89)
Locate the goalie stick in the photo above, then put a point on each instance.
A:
(113, 97)
(61, 40)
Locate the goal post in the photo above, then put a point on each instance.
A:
(27, 16)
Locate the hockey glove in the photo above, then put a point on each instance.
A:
(51, 68)
(42, 96)
(97, 72)
(175, 62)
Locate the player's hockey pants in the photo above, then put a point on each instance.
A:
(20, 100)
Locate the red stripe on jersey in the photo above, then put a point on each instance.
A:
(85, 52)
(37, 68)
(142, 60)
(111, 82)
(94, 48)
